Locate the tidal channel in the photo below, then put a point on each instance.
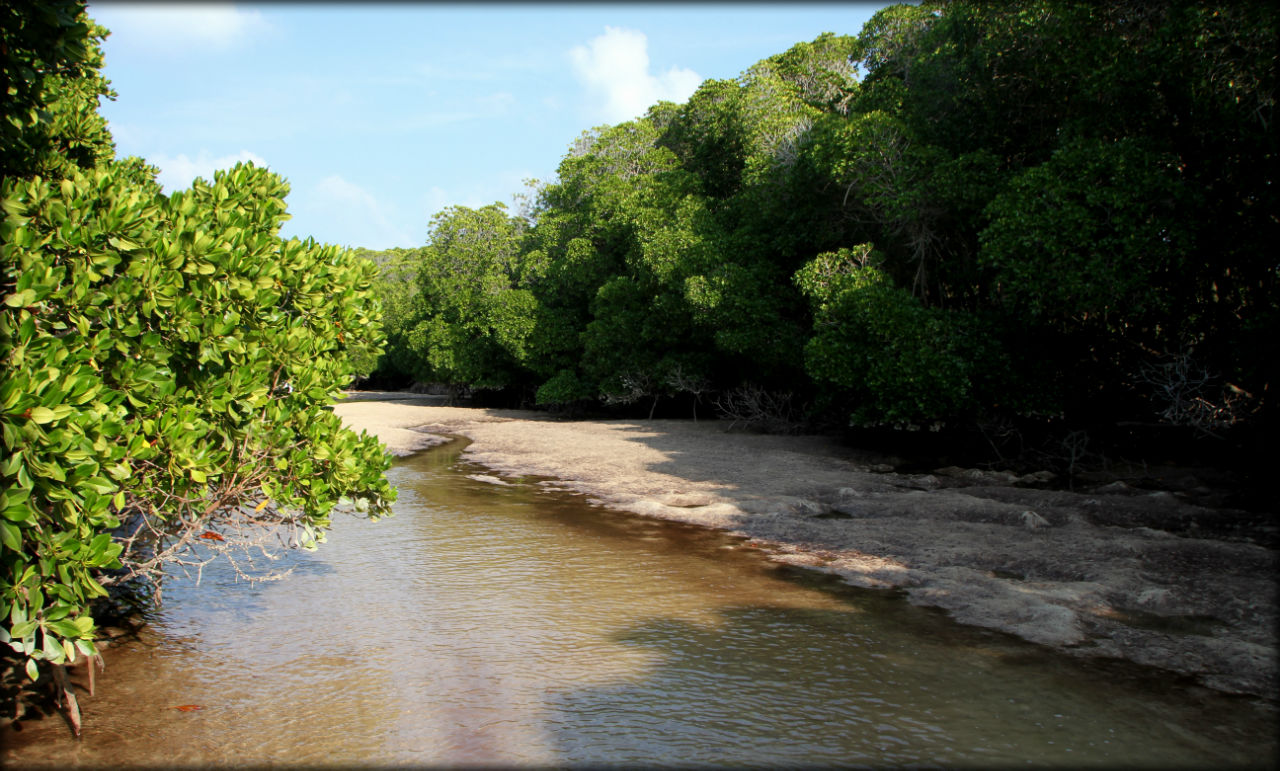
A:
(501, 623)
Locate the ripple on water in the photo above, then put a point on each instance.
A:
(505, 624)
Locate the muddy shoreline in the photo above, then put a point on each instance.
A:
(1086, 572)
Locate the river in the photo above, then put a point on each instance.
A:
(498, 622)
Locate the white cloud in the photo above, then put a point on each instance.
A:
(338, 206)
(437, 198)
(501, 187)
(178, 172)
(179, 27)
(615, 66)
(498, 102)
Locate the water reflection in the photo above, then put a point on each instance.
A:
(502, 624)
(769, 687)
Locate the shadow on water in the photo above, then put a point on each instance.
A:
(771, 687)
(492, 621)
(864, 678)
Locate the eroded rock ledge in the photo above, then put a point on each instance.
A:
(1113, 571)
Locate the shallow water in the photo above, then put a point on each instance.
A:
(506, 624)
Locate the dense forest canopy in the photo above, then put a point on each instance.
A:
(968, 212)
(169, 360)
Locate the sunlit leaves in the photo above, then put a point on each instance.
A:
(169, 361)
(473, 320)
(1053, 189)
(49, 65)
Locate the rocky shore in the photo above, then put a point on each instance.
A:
(1112, 569)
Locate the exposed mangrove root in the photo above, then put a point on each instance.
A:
(66, 695)
(88, 664)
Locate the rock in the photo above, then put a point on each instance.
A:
(998, 477)
(805, 508)
(1037, 478)
(1156, 598)
(922, 482)
(489, 479)
(1032, 520)
(978, 475)
(834, 514)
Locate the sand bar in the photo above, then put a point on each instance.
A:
(1085, 572)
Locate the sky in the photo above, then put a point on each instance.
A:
(379, 115)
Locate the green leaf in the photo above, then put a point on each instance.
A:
(123, 244)
(99, 485)
(33, 669)
(11, 536)
(42, 414)
(63, 628)
(20, 299)
(18, 512)
(99, 543)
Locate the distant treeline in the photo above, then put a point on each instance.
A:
(967, 212)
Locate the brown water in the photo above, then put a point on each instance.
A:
(508, 625)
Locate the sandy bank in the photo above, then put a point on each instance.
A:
(1085, 572)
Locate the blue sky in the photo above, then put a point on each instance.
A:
(380, 115)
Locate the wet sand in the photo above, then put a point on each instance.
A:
(1084, 572)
